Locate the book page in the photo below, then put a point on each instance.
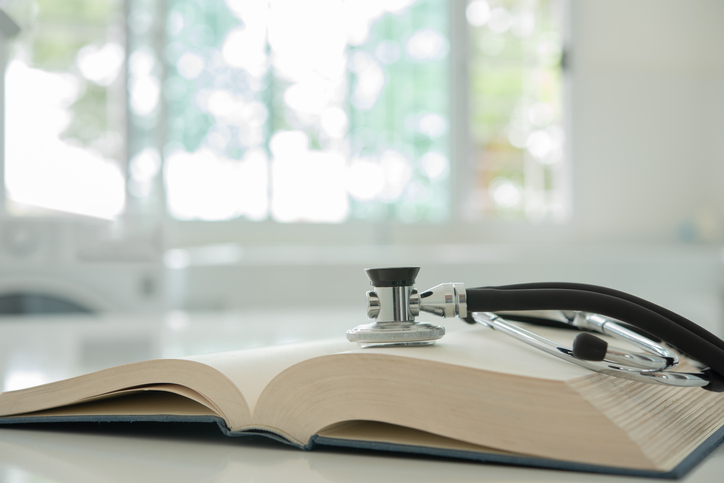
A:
(372, 431)
(480, 347)
(251, 370)
(515, 399)
(133, 403)
(193, 380)
(476, 347)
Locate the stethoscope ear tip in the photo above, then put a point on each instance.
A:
(716, 381)
(588, 347)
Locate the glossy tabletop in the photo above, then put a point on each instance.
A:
(38, 350)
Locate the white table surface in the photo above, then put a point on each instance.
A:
(38, 350)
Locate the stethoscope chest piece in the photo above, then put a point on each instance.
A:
(394, 303)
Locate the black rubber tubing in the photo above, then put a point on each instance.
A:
(669, 326)
(673, 316)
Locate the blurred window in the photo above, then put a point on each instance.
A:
(284, 110)
(516, 109)
(318, 111)
(64, 108)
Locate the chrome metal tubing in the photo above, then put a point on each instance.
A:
(445, 300)
(611, 328)
(637, 362)
(663, 359)
(393, 304)
(683, 379)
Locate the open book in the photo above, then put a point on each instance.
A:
(476, 394)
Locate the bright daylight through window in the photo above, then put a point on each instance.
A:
(64, 105)
(314, 111)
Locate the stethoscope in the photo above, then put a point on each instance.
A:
(394, 303)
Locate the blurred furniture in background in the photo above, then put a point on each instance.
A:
(687, 279)
(67, 264)
(18, 303)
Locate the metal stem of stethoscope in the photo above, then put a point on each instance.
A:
(394, 304)
(661, 360)
(623, 364)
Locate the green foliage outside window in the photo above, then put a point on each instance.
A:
(212, 84)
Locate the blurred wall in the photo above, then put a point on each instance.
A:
(647, 119)
(687, 280)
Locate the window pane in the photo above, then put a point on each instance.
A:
(516, 110)
(65, 108)
(320, 111)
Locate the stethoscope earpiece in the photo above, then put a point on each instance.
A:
(588, 347)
